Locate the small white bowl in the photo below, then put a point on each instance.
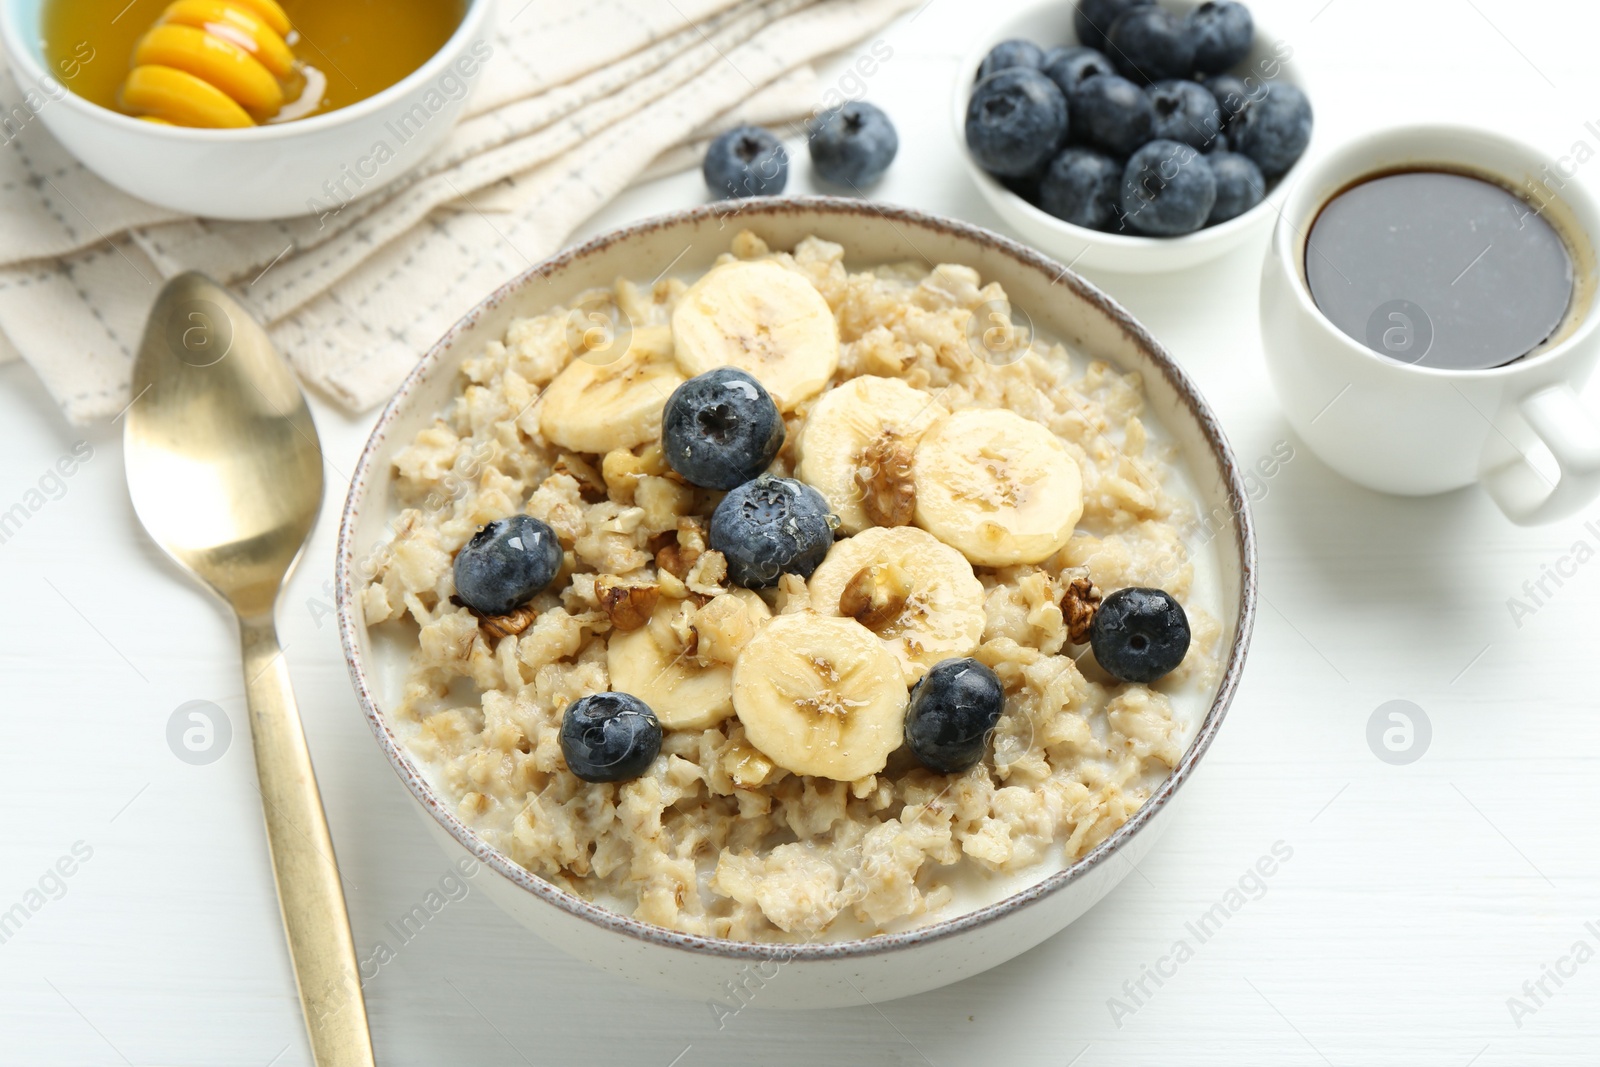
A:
(820, 973)
(265, 172)
(1049, 24)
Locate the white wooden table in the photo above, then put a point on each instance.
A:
(1418, 898)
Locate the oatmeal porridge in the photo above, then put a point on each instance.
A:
(808, 603)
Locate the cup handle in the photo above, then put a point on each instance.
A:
(1559, 419)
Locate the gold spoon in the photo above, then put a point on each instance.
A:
(225, 471)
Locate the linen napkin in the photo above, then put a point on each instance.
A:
(579, 101)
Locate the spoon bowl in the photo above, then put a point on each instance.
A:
(225, 470)
(224, 464)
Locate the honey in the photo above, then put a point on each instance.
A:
(345, 50)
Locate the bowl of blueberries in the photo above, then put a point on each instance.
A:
(1133, 136)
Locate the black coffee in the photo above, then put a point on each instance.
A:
(1439, 270)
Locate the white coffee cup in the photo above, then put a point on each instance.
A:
(1416, 430)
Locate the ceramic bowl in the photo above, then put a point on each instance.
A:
(823, 973)
(264, 172)
(1049, 24)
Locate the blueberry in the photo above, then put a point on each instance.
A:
(1069, 67)
(853, 144)
(720, 429)
(1111, 113)
(1139, 635)
(1233, 96)
(1016, 121)
(609, 737)
(1008, 54)
(506, 564)
(1184, 111)
(1093, 19)
(1167, 189)
(1083, 187)
(1240, 186)
(953, 710)
(1274, 129)
(746, 161)
(771, 527)
(1149, 44)
(1026, 186)
(1222, 32)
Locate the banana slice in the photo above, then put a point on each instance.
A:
(762, 318)
(659, 664)
(600, 405)
(856, 449)
(1000, 488)
(917, 594)
(820, 695)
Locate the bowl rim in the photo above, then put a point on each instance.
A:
(1025, 257)
(993, 189)
(473, 16)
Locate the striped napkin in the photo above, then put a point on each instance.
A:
(579, 101)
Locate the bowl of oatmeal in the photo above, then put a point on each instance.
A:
(803, 592)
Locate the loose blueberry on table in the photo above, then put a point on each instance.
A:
(953, 710)
(1236, 126)
(853, 144)
(609, 737)
(746, 161)
(770, 527)
(720, 429)
(506, 564)
(1139, 635)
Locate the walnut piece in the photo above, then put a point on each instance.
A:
(627, 604)
(1079, 604)
(710, 570)
(876, 596)
(883, 475)
(677, 559)
(495, 627)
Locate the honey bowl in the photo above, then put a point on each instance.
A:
(247, 109)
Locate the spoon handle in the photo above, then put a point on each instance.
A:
(303, 864)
